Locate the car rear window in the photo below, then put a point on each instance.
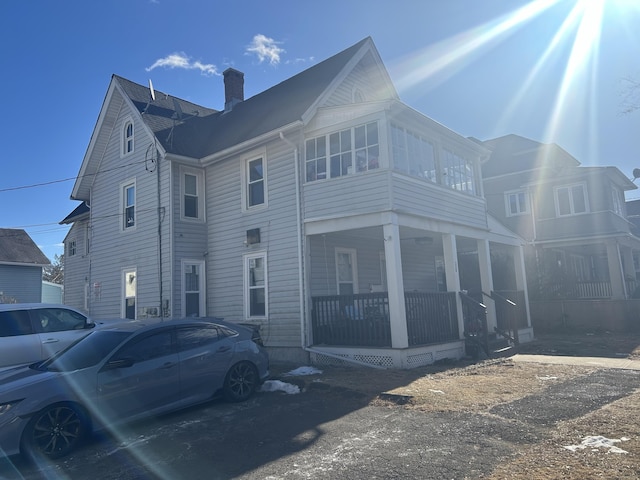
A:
(14, 323)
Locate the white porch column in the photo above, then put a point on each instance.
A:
(450, 250)
(628, 268)
(616, 275)
(486, 282)
(521, 278)
(395, 286)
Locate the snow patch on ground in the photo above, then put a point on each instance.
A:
(598, 441)
(300, 371)
(278, 386)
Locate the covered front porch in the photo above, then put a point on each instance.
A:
(394, 295)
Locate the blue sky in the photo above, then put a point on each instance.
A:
(550, 70)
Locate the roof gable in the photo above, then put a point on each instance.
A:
(513, 153)
(16, 247)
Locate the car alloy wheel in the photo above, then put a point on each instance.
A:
(55, 431)
(241, 382)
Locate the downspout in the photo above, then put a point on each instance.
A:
(303, 312)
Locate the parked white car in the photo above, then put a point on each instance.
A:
(30, 332)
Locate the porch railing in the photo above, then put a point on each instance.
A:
(511, 314)
(588, 289)
(431, 317)
(363, 319)
(476, 330)
(355, 320)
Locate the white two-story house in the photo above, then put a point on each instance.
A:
(343, 223)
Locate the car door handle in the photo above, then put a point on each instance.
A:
(50, 340)
(167, 365)
(226, 348)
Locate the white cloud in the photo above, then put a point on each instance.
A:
(182, 60)
(265, 48)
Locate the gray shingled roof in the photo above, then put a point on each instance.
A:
(16, 246)
(205, 131)
(513, 153)
(79, 211)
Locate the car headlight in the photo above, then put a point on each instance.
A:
(5, 407)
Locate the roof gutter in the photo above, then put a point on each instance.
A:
(205, 161)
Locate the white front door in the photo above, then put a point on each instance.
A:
(193, 289)
(346, 271)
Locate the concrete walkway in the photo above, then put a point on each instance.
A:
(601, 362)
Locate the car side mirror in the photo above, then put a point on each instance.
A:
(89, 325)
(124, 362)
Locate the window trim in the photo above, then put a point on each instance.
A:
(202, 305)
(123, 205)
(520, 210)
(128, 144)
(247, 287)
(200, 194)
(247, 159)
(569, 188)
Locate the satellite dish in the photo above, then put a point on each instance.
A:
(636, 173)
(176, 107)
(152, 91)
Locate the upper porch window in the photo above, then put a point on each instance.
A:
(341, 153)
(418, 157)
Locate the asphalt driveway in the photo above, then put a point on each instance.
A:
(332, 431)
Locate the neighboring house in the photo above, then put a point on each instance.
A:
(580, 244)
(325, 211)
(21, 263)
(633, 215)
(51, 292)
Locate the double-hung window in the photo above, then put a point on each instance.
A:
(517, 203)
(192, 194)
(255, 178)
(255, 272)
(71, 248)
(129, 206)
(571, 199)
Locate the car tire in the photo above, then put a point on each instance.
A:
(55, 431)
(241, 382)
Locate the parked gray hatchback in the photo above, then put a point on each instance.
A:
(124, 372)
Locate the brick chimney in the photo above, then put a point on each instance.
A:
(233, 88)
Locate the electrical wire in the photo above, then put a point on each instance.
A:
(44, 184)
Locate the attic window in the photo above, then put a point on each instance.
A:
(127, 138)
(358, 96)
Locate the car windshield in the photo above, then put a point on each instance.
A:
(86, 352)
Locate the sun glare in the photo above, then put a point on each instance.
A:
(450, 55)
